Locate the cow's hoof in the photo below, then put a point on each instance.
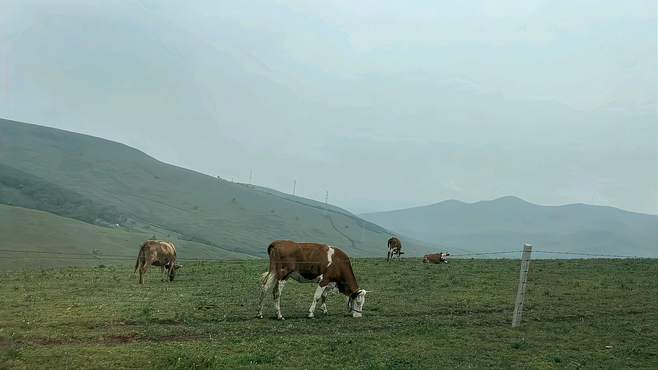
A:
(280, 318)
(310, 316)
(260, 316)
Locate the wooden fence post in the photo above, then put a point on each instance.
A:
(523, 285)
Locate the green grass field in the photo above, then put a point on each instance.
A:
(579, 314)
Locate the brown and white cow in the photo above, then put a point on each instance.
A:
(394, 248)
(436, 258)
(157, 253)
(326, 265)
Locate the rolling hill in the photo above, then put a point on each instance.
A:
(27, 234)
(108, 184)
(506, 223)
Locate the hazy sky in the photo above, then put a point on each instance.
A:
(385, 104)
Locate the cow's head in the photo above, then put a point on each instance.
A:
(172, 272)
(356, 301)
(426, 259)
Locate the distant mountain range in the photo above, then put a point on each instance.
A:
(506, 223)
(118, 188)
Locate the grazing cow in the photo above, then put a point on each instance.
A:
(328, 266)
(436, 258)
(157, 253)
(394, 248)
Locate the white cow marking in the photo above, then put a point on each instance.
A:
(330, 255)
(277, 298)
(319, 291)
(356, 305)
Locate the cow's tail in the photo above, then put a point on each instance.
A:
(139, 255)
(269, 248)
(263, 277)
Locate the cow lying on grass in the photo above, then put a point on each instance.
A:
(328, 266)
(436, 258)
(157, 253)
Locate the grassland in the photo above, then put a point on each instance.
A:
(579, 314)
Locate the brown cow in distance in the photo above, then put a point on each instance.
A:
(157, 253)
(436, 258)
(326, 265)
(394, 248)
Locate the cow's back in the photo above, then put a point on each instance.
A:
(308, 259)
(159, 250)
(394, 243)
(433, 258)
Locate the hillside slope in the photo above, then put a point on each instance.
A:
(507, 222)
(106, 183)
(27, 234)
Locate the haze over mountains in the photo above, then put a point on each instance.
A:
(71, 193)
(103, 183)
(506, 223)
(563, 110)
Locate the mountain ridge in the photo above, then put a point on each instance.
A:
(508, 221)
(503, 198)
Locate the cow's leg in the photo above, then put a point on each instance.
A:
(323, 299)
(268, 280)
(319, 292)
(323, 304)
(142, 271)
(278, 288)
(388, 256)
(172, 266)
(138, 266)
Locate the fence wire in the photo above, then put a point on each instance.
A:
(54, 255)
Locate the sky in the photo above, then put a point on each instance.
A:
(384, 104)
